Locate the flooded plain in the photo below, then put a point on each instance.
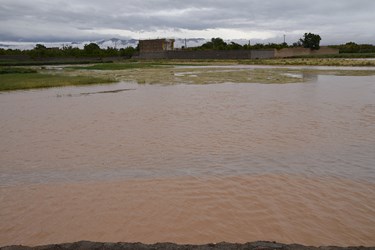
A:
(191, 163)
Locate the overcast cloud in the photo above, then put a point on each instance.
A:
(337, 21)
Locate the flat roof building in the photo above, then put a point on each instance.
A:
(154, 45)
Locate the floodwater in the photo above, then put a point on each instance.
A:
(236, 162)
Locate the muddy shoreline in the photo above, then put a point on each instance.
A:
(264, 245)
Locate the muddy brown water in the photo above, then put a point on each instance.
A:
(293, 163)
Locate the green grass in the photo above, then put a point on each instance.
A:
(310, 62)
(341, 55)
(46, 62)
(12, 70)
(18, 81)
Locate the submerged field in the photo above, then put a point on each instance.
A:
(176, 71)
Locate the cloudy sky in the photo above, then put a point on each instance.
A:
(336, 21)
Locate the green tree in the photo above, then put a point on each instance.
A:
(311, 41)
(39, 51)
(92, 49)
(234, 46)
(127, 52)
(215, 43)
(110, 51)
(218, 43)
(40, 47)
(207, 45)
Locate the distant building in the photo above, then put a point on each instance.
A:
(156, 45)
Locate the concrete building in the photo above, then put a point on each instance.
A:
(156, 45)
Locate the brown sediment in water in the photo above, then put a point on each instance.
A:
(258, 245)
(192, 210)
(190, 164)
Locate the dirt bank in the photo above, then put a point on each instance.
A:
(86, 245)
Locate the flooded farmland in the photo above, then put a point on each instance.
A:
(191, 162)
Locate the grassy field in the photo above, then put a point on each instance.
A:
(16, 70)
(27, 79)
(342, 55)
(55, 61)
(312, 62)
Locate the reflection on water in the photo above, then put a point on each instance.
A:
(190, 163)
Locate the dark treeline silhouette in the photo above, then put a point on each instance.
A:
(309, 40)
(89, 50)
(219, 44)
(352, 47)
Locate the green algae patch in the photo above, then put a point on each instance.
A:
(219, 71)
(217, 74)
(198, 75)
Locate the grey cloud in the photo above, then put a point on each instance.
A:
(337, 20)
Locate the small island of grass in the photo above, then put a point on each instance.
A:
(13, 78)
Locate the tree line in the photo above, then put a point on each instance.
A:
(89, 50)
(219, 44)
(309, 40)
(352, 47)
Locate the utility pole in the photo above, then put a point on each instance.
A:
(284, 38)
